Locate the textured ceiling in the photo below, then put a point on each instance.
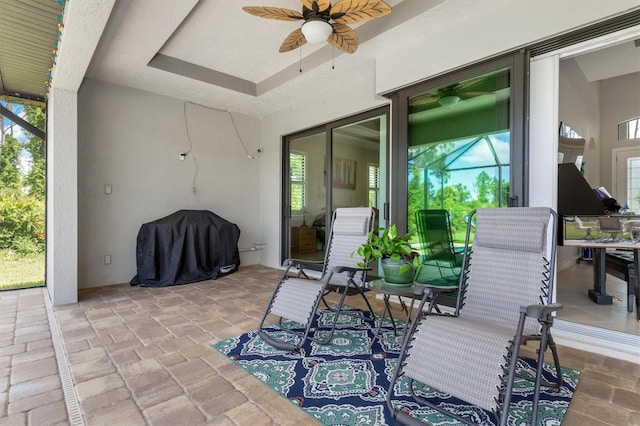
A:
(213, 53)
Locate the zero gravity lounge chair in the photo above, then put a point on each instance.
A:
(472, 355)
(441, 261)
(297, 296)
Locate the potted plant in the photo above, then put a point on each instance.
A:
(398, 260)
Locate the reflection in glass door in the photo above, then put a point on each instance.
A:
(459, 148)
(358, 162)
(307, 196)
(340, 164)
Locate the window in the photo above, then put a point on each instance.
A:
(629, 130)
(568, 132)
(374, 185)
(297, 163)
(633, 183)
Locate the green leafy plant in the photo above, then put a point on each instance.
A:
(386, 243)
(21, 223)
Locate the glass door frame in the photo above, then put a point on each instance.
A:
(518, 62)
(328, 128)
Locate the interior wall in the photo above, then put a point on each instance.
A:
(131, 140)
(620, 102)
(579, 108)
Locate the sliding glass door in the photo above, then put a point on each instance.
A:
(339, 164)
(461, 143)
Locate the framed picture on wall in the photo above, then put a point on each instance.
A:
(344, 173)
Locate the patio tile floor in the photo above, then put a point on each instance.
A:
(142, 356)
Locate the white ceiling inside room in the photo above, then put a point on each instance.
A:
(612, 61)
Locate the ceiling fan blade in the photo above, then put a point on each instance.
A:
(278, 13)
(316, 5)
(293, 41)
(474, 84)
(474, 94)
(424, 99)
(350, 11)
(344, 38)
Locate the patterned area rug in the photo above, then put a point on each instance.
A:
(345, 383)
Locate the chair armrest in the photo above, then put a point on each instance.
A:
(421, 290)
(301, 262)
(350, 270)
(299, 265)
(539, 311)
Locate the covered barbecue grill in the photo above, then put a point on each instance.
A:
(185, 247)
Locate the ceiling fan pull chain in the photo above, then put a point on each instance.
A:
(300, 61)
(333, 57)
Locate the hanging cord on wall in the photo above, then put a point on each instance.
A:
(195, 174)
(184, 154)
(235, 129)
(240, 139)
(186, 127)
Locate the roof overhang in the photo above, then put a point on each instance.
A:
(28, 47)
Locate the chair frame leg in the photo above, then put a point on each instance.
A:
(551, 344)
(302, 336)
(513, 363)
(335, 319)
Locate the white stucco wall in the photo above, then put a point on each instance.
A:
(62, 197)
(131, 140)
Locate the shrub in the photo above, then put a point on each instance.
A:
(21, 223)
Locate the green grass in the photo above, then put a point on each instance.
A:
(21, 272)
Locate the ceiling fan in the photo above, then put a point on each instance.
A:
(451, 95)
(324, 21)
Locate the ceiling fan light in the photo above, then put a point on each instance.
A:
(316, 31)
(449, 101)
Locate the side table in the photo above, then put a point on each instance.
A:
(413, 291)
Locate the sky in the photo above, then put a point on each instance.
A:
(20, 134)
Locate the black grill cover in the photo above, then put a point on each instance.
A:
(185, 247)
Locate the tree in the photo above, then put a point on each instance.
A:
(485, 186)
(10, 176)
(36, 147)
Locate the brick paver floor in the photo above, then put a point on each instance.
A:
(142, 356)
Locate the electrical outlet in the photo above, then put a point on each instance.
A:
(107, 259)
(107, 189)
